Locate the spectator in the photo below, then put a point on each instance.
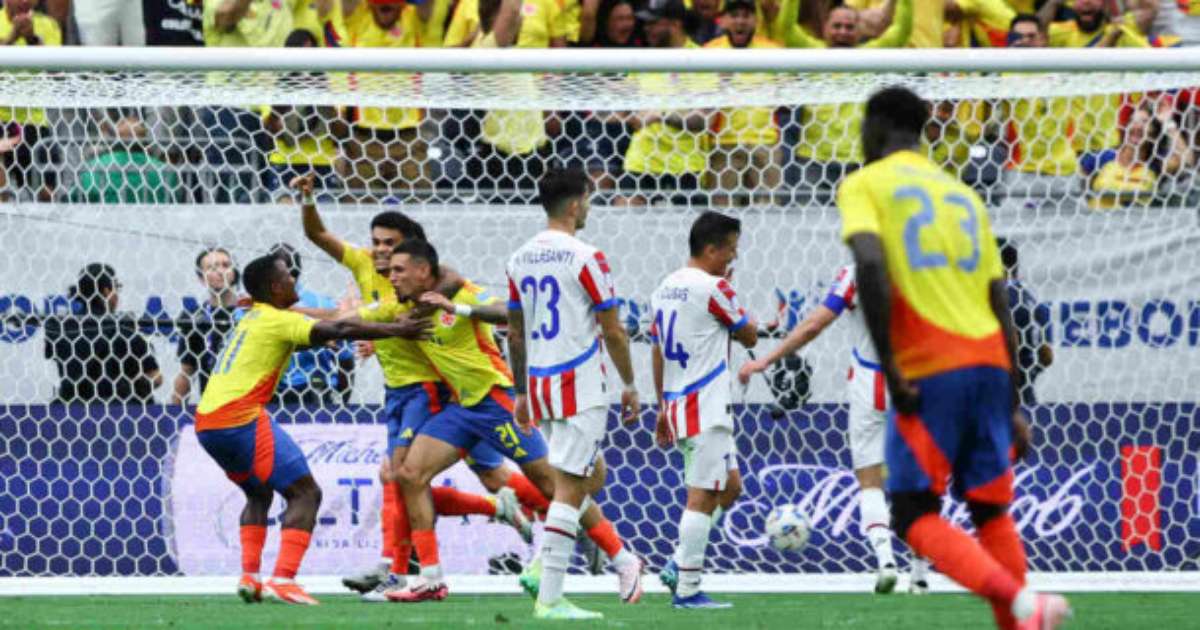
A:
(580, 21)
(746, 158)
(304, 135)
(99, 354)
(703, 22)
(1151, 147)
(976, 23)
(1041, 159)
(386, 149)
(174, 23)
(1178, 18)
(927, 24)
(204, 328)
(962, 141)
(618, 26)
(110, 22)
(1032, 322)
(543, 24)
(669, 150)
(828, 147)
(27, 145)
(317, 376)
(464, 24)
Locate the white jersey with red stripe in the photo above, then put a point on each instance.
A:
(694, 314)
(559, 283)
(866, 376)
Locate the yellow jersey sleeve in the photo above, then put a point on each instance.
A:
(379, 313)
(292, 327)
(854, 201)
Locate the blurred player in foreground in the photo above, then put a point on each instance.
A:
(696, 313)
(562, 316)
(868, 417)
(256, 454)
(930, 282)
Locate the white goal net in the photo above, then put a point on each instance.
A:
(150, 182)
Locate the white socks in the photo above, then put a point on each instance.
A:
(875, 516)
(432, 573)
(689, 554)
(623, 559)
(558, 543)
(1025, 604)
(920, 569)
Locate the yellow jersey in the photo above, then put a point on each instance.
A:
(463, 24)
(1117, 186)
(1042, 128)
(401, 360)
(462, 349)
(246, 373)
(746, 125)
(982, 18)
(512, 131)
(542, 21)
(660, 149)
(364, 32)
(941, 258)
(266, 24)
(831, 132)
(45, 28)
(927, 20)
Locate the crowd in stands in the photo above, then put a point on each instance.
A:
(1121, 148)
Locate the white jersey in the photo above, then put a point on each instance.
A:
(866, 375)
(559, 283)
(694, 313)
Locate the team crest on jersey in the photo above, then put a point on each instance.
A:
(448, 319)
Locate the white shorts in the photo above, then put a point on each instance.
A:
(868, 416)
(708, 458)
(575, 442)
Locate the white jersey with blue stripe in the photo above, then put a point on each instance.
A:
(559, 283)
(843, 299)
(694, 314)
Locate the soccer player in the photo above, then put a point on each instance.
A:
(234, 429)
(932, 290)
(868, 417)
(464, 353)
(696, 313)
(561, 304)
(413, 394)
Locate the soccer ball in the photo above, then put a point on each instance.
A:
(788, 528)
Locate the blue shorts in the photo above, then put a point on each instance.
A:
(259, 454)
(961, 437)
(408, 408)
(489, 423)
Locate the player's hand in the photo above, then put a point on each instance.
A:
(436, 300)
(364, 349)
(1022, 434)
(630, 409)
(905, 396)
(415, 329)
(750, 368)
(302, 184)
(662, 429)
(521, 414)
(22, 26)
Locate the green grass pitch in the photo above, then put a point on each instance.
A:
(1093, 611)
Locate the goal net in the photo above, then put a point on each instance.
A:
(150, 183)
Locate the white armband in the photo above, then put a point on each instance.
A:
(463, 310)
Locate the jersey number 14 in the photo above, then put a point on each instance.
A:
(672, 350)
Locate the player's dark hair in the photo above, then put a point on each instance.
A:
(898, 108)
(711, 228)
(1008, 254)
(289, 256)
(1026, 17)
(559, 186)
(94, 280)
(258, 276)
(396, 220)
(419, 250)
(218, 250)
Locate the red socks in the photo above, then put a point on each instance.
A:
(387, 520)
(425, 542)
(401, 532)
(292, 545)
(605, 536)
(527, 493)
(958, 555)
(999, 537)
(449, 501)
(253, 537)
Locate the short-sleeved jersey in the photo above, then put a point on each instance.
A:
(941, 258)
(541, 23)
(250, 366)
(559, 283)
(266, 24)
(746, 125)
(363, 32)
(843, 298)
(694, 313)
(402, 361)
(45, 28)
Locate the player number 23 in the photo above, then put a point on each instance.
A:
(547, 288)
(923, 259)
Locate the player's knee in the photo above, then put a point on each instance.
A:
(493, 480)
(410, 477)
(595, 481)
(907, 507)
(981, 512)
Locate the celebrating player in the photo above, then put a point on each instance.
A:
(413, 394)
(234, 429)
(868, 417)
(930, 282)
(561, 303)
(695, 314)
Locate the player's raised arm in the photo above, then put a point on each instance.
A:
(489, 313)
(807, 330)
(314, 228)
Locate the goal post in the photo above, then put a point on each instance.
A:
(150, 169)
